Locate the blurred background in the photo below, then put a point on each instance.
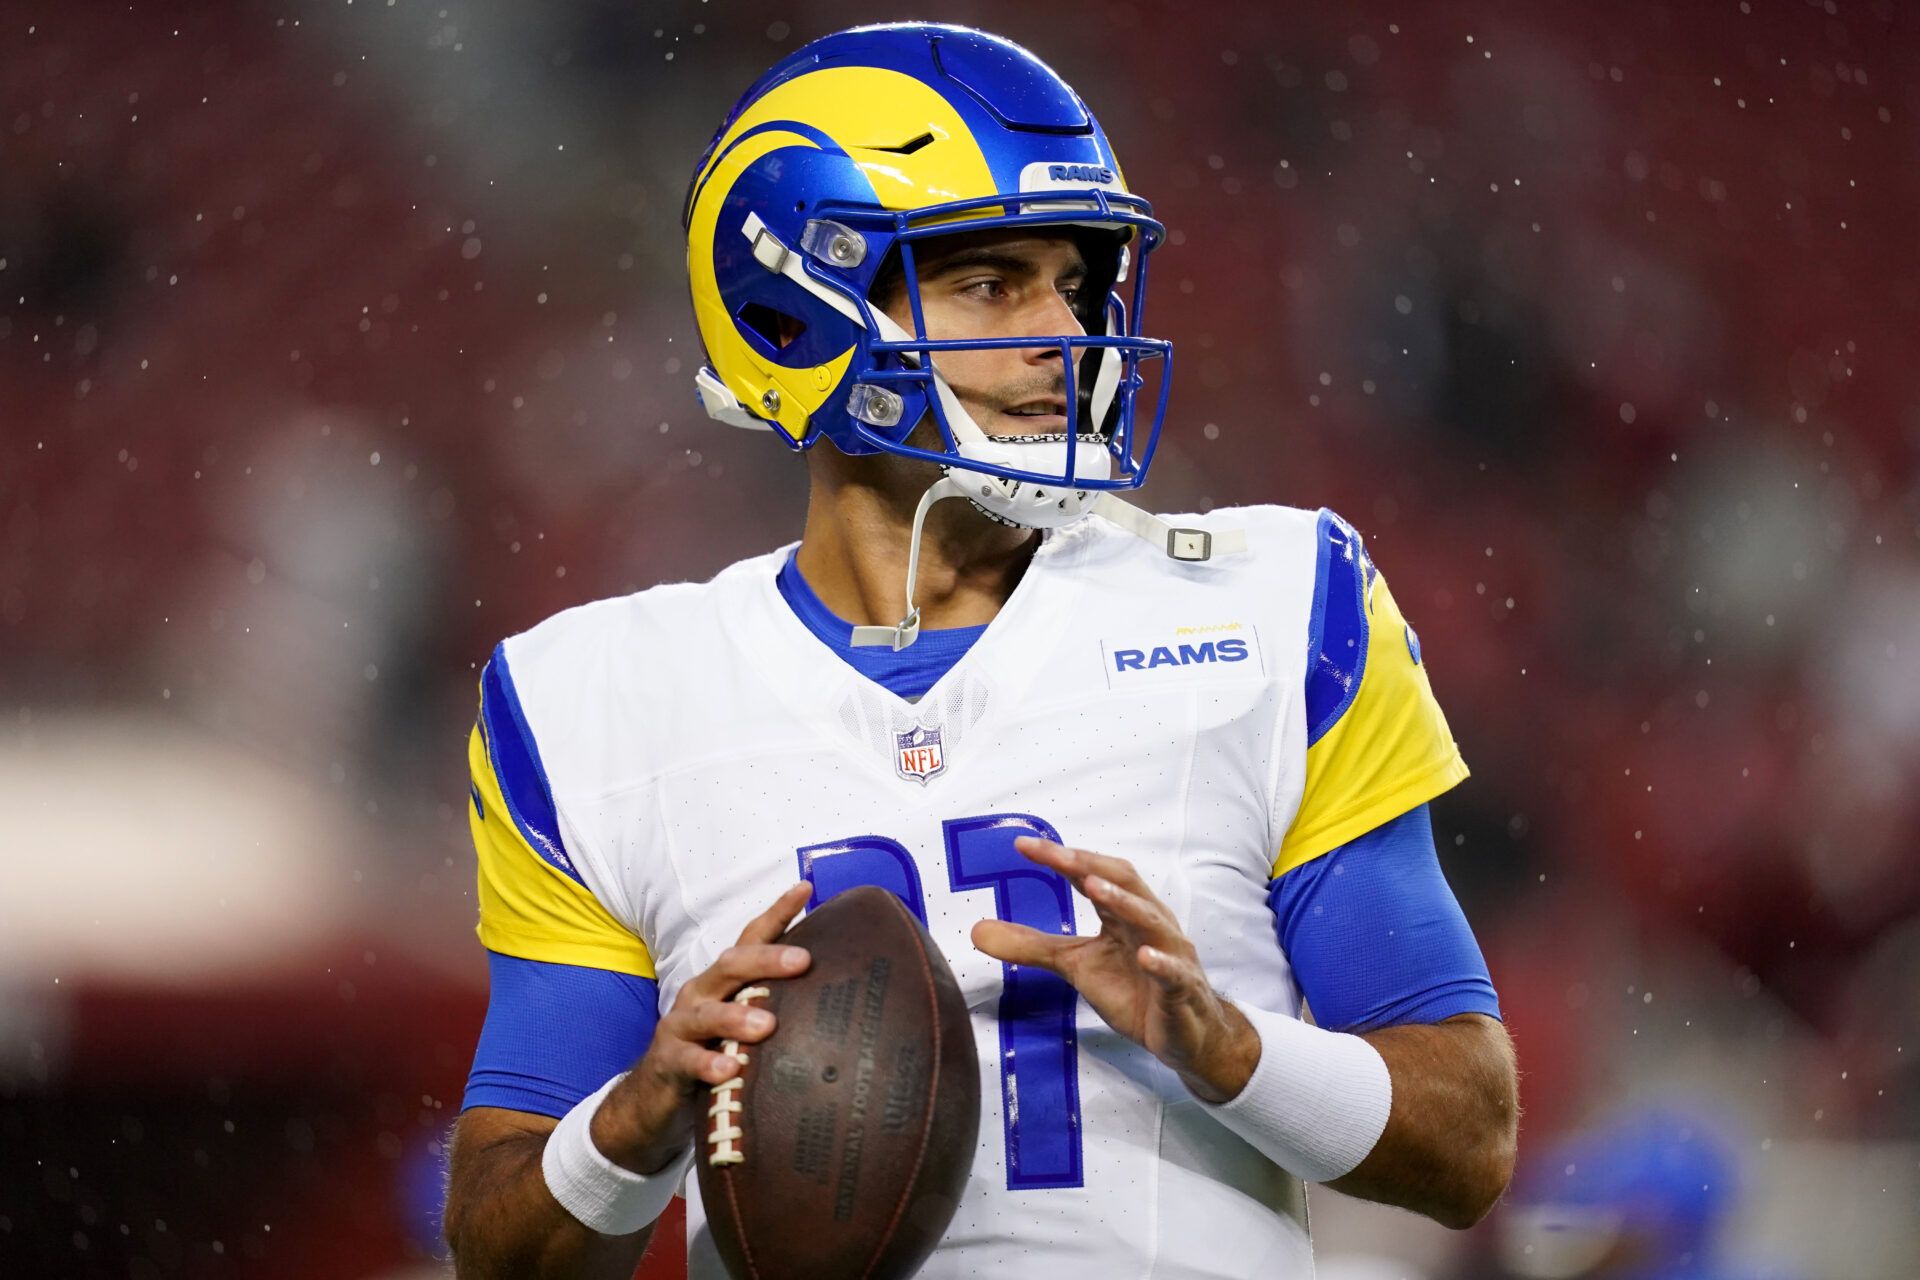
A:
(340, 340)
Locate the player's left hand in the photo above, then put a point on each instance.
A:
(1140, 973)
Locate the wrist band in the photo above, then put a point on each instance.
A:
(609, 1198)
(1317, 1101)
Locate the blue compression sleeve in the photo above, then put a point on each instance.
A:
(1375, 936)
(556, 1032)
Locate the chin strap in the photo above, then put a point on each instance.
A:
(1189, 546)
(898, 638)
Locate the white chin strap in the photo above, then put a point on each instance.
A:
(1190, 546)
(898, 638)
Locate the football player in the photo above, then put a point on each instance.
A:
(1154, 784)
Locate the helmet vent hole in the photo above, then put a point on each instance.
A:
(775, 328)
(906, 148)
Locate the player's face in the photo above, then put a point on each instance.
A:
(1000, 284)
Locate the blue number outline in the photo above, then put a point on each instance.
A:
(1037, 1011)
(856, 860)
(1038, 1008)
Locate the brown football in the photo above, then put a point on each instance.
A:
(857, 1118)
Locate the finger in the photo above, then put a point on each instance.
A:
(1077, 864)
(1049, 853)
(697, 1064)
(680, 1065)
(1142, 915)
(740, 966)
(773, 922)
(719, 1020)
(1017, 944)
(748, 962)
(719, 1067)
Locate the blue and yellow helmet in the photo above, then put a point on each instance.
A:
(838, 161)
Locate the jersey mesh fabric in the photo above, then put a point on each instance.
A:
(1375, 935)
(909, 672)
(556, 1032)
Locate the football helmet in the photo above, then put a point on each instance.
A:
(833, 166)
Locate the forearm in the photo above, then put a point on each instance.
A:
(502, 1222)
(1448, 1148)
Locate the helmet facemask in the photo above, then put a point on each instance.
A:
(1043, 479)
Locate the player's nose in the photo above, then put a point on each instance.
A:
(1052, 317)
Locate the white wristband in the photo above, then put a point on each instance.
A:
(1317, 1101)
(611, 1199)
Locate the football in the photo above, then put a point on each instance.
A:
(841, 1148)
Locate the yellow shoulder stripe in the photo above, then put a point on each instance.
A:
(528, 907)
(1390, 751)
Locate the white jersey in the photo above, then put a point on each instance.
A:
(1215, 724)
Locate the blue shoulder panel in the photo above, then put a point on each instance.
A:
(1376, 937)
(556, 1032)
(1337, 630)
(516, 764)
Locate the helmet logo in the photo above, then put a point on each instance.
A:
(1086, 173)
(1046, 175)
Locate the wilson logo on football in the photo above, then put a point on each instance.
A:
(918, 755)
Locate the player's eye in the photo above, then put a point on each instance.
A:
(989, 288)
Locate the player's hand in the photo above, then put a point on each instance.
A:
(1140, 973)
(651, 1115)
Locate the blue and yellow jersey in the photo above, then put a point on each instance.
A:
(1377, 743)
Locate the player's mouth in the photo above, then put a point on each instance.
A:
(1039, 415)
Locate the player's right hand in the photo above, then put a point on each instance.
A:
(653, 1113)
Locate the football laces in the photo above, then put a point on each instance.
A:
(724, 1130)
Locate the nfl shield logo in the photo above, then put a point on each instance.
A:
(917, 754)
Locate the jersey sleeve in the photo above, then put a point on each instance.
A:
(556, 1032)
(1377, 743)
(1375, 936)
(533, 903)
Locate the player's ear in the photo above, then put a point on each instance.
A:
(778, 329)
(790, 327)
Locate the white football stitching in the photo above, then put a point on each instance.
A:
(725, 1131)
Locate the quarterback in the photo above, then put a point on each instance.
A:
(1157, 785)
